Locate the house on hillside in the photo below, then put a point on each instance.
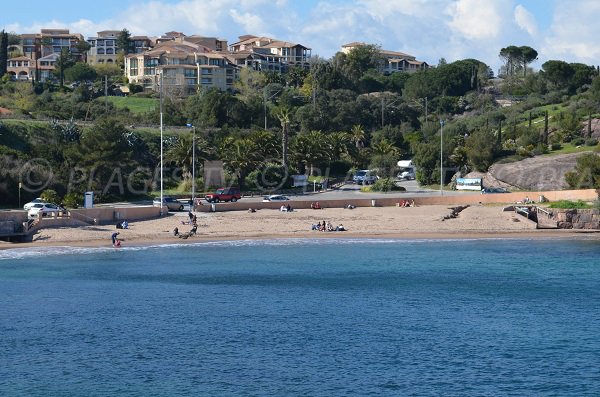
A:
(268, 54)
(104, 46)
(394, 61)
(184, 66)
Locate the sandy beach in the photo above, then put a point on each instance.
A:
(381, 222)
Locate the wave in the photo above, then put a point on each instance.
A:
(32, 252)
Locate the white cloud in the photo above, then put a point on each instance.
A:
(250, 22)
(474, 19)
(574, 32)
(525, 20)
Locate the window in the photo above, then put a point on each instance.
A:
(206, 72)
(110, 51)
(100, 51)
(189, 73)
(206, 80)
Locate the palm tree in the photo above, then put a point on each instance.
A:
(180, 153)
(283, 114)
(338, 141)
(266, 144)
(384, 147)
(358, 136)
(310, 149)
(240, 156)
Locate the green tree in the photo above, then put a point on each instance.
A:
(3, 52)
(558, 73)
(64, 61)
(283, 114)
(83, 47)
(80, 72)
(526, 56)
(240, 157)
(481, 149)
(124, 41)
(310, 149)
(586, 174)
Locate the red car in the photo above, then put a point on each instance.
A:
(224, 194)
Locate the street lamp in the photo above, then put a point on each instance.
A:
(265, 99)
(193, 162)
(441, 157)
(160, 73)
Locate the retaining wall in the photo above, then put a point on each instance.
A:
(577, 218)
(470, 199)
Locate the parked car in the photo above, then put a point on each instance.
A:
(275, 197)
(169, 202)
(406, 175)
(489, 190)
(33, 202)
(43, 208)
(224, 194)
(365, 177)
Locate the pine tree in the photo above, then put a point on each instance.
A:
(3, 52)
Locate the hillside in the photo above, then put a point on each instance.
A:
(535, 173)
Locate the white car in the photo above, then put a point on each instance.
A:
(364, 177)
(275, 197)
(45, 209)
(33, 202)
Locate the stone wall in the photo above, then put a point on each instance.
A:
(577, 218)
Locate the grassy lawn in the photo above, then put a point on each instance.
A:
(568, 148)
(135, 105)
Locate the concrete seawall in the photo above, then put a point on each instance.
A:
(468, 199)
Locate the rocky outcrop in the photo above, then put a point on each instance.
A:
(577, 218)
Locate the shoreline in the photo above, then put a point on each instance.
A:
(408, 236)
(414, 223)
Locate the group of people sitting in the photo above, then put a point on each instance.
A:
(193, 221)
(328, 227)
(315, 205)
(406, 203)
(123, 225)
(286, 208)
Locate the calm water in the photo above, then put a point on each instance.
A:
(303, 318)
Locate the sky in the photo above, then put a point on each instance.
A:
(428, 29)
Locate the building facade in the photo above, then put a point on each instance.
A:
(268, 54)
(104, 48)
(393, 61)
(183, 66)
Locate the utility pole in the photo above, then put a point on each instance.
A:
(106, 92)
(441, 157)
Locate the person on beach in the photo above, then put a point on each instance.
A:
(176, 231)
(191, 216)
(115, 239)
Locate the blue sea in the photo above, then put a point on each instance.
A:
(489, 317)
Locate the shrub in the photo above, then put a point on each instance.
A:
(578, 142)
(556, 146)
(591, 142)
(72, 200)
(568, 204)
(384, 185)
(50, 196)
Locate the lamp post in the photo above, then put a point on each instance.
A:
(265, 99)
(160, 73)
(441, 157)
(193, 162)
(20, 186)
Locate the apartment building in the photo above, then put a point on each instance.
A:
(394, 61)
(104, 48)
(48, 41)
(184, 65)
(268, 54)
